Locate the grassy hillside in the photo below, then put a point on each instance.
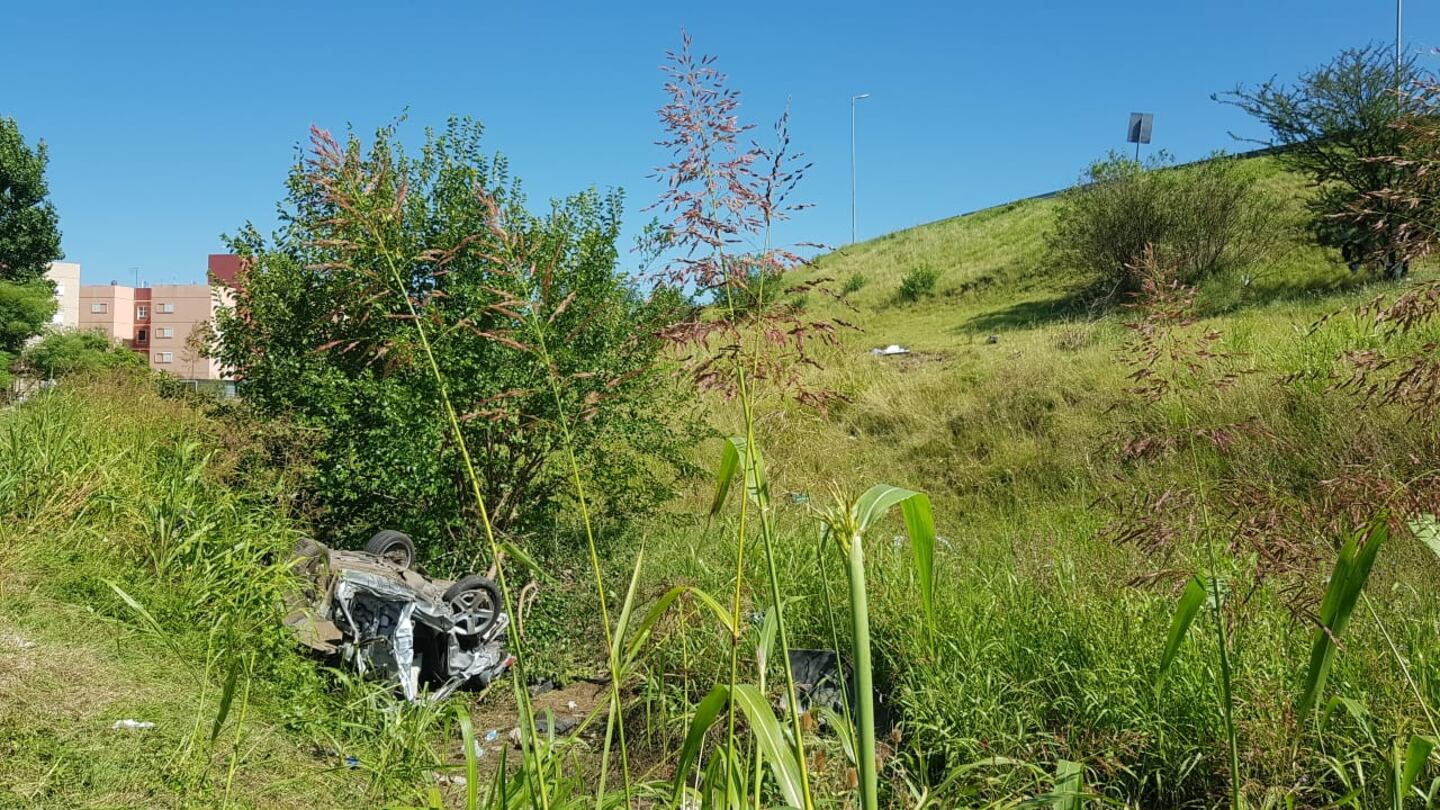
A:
(1072, 512)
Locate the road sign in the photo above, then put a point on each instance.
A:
(1140, 125)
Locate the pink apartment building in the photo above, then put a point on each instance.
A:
(160, 321)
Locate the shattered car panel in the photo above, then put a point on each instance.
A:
(392, 623)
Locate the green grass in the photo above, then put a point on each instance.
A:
(106, 488)
(1050, 647)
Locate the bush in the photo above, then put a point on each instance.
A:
(1199, 219)
(319, 335)
(918, 283)
(855, 283)
(63, 353)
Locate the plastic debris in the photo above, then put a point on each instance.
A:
(492, 735)
(132, 725)
(892, 349)
(16, 642)
(449, 779)
(352, 762)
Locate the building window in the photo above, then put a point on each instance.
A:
(164, 357)
(142, 336)
(165, 309)
(142, 312)
(164, 331)
(99, 309)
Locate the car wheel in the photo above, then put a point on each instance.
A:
(475, 603)
(392, 546)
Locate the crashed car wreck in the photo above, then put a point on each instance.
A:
(374, 612)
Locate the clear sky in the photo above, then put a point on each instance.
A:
(171, 123)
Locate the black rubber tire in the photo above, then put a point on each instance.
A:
(475, 595)
(392, 546)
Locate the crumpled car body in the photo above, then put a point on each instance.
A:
(387, 621)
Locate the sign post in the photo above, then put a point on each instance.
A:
(1139, 131)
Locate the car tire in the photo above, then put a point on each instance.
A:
(392, 546)
(474, 596)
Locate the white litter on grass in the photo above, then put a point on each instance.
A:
(132, 724)
(16, 642)
(893, 348)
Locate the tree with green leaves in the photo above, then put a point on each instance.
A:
(1337, 124)
(29, 227)
(61, 354)
(29, 241)
(532, 341)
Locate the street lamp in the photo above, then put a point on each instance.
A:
(1399, 39)
(853, 99)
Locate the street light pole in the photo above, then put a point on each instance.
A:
(1399, 38)
(853, 99)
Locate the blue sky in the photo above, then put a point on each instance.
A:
(169, 124)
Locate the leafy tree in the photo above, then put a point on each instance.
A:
(24, 311)
(59, 354)
(29, 232)
(29, 241)
(524, 335)
(1336, 123)
(1198, 219)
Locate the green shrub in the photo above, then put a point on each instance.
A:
(855, 283)
(62, 353)
(919, 283)
(317, 339)
(1199, 220)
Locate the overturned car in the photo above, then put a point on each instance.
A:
(376, 613)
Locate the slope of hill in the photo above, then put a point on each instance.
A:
(1073, 509)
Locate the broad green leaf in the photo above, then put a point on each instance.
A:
(876, 501)
(1185, 610)
(1352, 568)
(1069, 785)
(1416, 754)
(705, 713)
(919, 524)
(622, 625)
(227, 697)
(647, 622)
(843, 731)
(771, 741)
(472, 766)
(765, 642)
(736, 457)
(721, 612)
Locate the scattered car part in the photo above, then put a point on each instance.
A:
(386, 620)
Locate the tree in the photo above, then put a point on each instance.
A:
(1198, 219)
(59, 354)
(1335, 124)
(29, 227)
(24, 311)
(525, 335)
(29, 241)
